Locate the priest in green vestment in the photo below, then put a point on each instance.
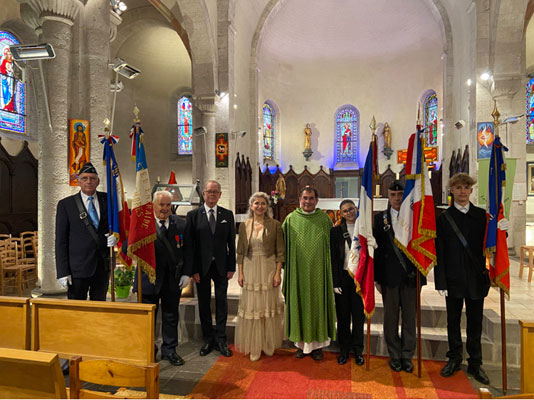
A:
(307, 288)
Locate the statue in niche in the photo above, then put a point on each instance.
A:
(307, 137)
(387, 141)
(281, 186)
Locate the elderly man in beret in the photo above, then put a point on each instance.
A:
(82, 239)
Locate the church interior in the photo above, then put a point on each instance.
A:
(272, 96)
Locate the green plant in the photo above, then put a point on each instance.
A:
(124, 277)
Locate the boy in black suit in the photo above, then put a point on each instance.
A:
(210, 254)
(82, 239)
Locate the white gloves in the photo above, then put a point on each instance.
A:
(337, 290)
(112, 240)
(184, 281)
(65, 280)
(378, 287)
(503, 224)
(443, 293)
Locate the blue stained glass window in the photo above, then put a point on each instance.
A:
(431, 119)
(530, 111)
(268, 132)
(185, 126)
(12, 89)
(347, 134)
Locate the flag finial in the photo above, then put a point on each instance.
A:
(372, 125)
(136, 111)
(418, 114)
(495, 114)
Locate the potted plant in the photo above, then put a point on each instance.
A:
(123, 281)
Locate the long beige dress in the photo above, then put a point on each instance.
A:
(260, 317)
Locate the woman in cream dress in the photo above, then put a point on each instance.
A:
(260, 254)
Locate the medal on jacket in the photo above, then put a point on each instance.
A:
(387, 226)
(178, 239)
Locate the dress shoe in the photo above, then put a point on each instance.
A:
(254, 357)
(395, 365)
(450, 368)
(206, 349)
(65, 367)
(223, 349)
(317, 354)
(173, 358)
(300, 354)
(358, 359)
(479, 374)
(407, 365)
(343, 358)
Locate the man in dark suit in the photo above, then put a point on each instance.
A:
(82, 239)
(395, 278)
(210, 254)
(171, 276)
(461, 275)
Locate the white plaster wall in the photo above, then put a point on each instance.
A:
(388, 88)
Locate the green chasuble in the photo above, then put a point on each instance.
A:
(307, 288)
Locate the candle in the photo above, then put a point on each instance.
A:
(429, 174)
(377, 190)
(397, 176)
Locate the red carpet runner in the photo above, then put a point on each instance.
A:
(283, 376)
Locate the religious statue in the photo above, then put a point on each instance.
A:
(307, 137)
(281, 186)
(387, 141)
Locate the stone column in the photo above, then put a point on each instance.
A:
(56, 20)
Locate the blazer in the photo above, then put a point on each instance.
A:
(201, 247)
(337, 254)
(455, 272)
(388, 269)
(166, 268)
(273, 239)
(77, 252)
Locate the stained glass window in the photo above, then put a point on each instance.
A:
(185, 126)
(530, 111)
(268, 132)
(347, 134)
(12, 89)
(431, 119)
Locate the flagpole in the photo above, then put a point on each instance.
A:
(111, 252)
(496, 114)
(419, 363)
(372, 125)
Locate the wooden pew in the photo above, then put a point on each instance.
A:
(527, 356)
(15, 326)
(94, 329)
(30, 375)
(484, 393)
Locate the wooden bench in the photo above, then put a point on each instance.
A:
(527, 356)
(530, 265)
(111, 373)
(15, 326)
(29, 374)
(484, 393)
(94, 329)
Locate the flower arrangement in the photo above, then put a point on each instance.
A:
(275, 195)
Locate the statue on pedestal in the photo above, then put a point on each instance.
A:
(387, 141)
(307, 142)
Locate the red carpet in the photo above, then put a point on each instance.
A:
(283, 376)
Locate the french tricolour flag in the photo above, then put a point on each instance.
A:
(361, 265)
(417, 220)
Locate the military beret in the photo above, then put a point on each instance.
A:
(88, 169)
(396, 185)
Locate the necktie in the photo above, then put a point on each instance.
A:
(163, 228)
(212, 221)
(92, 212)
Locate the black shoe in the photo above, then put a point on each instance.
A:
(479, 374)
(155, 354)
(450, 368)
(206, 349)
(407, 366)
(65, 367)
(359, 360)
(317, 354)
(343, 358)
(395, 365)
(300, 354)
(173, 358)
(223, 349)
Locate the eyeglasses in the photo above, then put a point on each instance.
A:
(211, 191)
(348, 210)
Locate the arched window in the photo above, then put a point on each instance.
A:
(268, 132)
(12, 88)
(347, 134)
(431, 119)
(185, 126)
(530, 111)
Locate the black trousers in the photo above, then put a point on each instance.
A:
(221, 305)
(474, 310)
(170, 303)
(97, 285)
(349, 305)
(401, 299)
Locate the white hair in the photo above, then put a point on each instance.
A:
(160, 193)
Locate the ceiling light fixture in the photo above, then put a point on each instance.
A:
(43, 51)
(123, 68)
(485, 75)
